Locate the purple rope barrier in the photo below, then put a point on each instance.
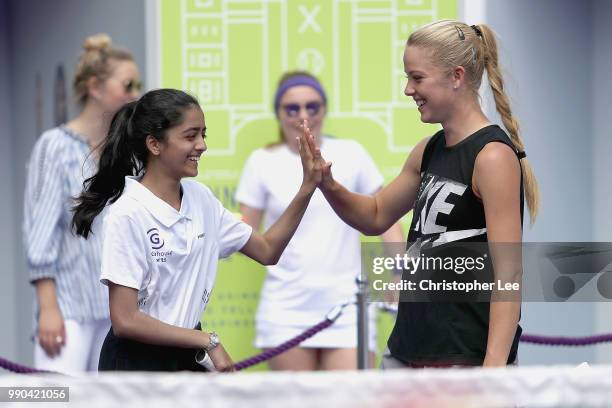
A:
(259, 358)
(537, 339)
(20, 369)
(566, 341)
(268, 354)
(331, 317)
(329, 320)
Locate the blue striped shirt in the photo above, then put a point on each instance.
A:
(59, 164)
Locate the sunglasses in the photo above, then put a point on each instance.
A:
(293, 109)
(132, 85)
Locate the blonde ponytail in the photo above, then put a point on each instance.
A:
(453, 43)
(502, 104)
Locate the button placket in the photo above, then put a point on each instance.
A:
(189, 234)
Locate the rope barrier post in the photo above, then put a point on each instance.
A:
(362, 322)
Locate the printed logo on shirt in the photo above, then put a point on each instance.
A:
(143, 294)
(142, 302)
(205, 296)
(432, 200)
(202, 235)
(436, 198)
(156, 241)
(160, 256)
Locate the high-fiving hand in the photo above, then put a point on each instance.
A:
(317, 172)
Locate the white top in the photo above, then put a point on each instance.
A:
(169, 256)
(318, 268)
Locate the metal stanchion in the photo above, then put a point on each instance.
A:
(362, 322)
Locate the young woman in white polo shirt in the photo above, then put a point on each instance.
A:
(163, 235)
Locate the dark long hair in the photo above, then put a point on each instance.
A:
(124, 153)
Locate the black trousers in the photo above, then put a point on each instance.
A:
(119, 354)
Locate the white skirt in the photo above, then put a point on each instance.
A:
(271, 332)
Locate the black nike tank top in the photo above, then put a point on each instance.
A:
(446, 209)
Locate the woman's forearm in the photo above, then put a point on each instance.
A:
(358, 211)
(46, 294)
(503, 321)
(141, 327)
(279, 234)
(130, 323)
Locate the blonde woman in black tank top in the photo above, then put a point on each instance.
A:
(466, 183)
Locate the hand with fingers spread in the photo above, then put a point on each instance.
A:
(316, 169)
(312, 173)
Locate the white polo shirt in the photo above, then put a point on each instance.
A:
(169, 256)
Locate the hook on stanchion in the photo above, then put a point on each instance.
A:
(335, 313)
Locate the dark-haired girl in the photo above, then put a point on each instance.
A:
(163, 235)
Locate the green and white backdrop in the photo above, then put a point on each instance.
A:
(230, 54)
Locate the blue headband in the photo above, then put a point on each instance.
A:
(299, 80)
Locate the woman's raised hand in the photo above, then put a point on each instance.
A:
(316, 170)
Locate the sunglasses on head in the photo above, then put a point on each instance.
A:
(293, 109)
(132, 85)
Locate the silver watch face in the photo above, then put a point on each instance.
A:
(214, 341)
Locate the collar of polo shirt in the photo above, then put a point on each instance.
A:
(161, 210)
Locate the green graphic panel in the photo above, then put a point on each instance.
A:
(230, 54)
(246, 67)
(375, 85)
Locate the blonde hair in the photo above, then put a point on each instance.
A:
(94, 62)
(452, 43)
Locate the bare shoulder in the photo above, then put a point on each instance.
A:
(413, 162)
(496, 168)
(495, 157)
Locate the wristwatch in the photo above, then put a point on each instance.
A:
(214, 341)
